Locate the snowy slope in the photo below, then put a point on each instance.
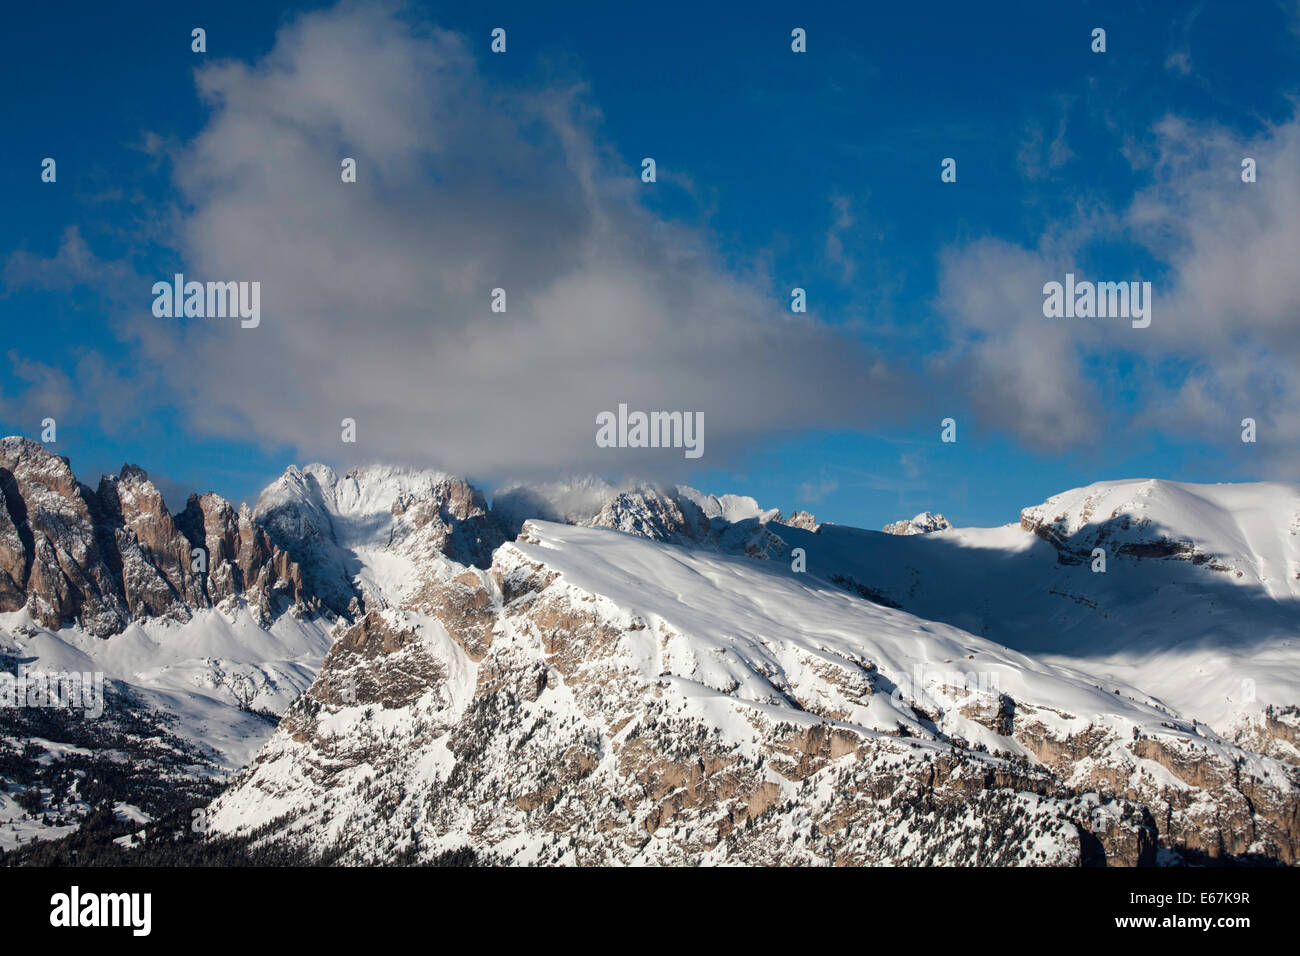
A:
(618, 663)
(175, 669)
(1199, 604)
(745, 619)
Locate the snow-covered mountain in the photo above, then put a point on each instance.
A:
(583, 672)
(1196, 602)
(364, 537)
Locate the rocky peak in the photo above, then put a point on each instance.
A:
(649, 513)
(799, 519)
(926, 522)
(453, 519)
(103, 558)
(674, 515)
(31, 462)
(154, 555)
(68, 568)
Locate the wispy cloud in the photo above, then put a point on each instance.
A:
(1040, 156)
(843, 220)
(815, 491)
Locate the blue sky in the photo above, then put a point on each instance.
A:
(818, 170)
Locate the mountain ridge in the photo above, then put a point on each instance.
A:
(387, 614)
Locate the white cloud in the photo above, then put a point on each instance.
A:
(375, 295)
(1224, 342)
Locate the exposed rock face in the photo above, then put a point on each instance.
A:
(156, 560)
(1118, 533)
(323, 520)
(297, 520)
(452, 519)
(105, 558)
(243, 562)
(1203, 805)
(1275, 732)
(924, 523)
(68, 567)
(102, 559)
(376, 662)
(651, 514)
(14, 551)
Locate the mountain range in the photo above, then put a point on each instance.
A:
(385, 666)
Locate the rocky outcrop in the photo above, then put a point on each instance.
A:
(320, 518)
(924, 523)
(799, 519)
(243, 562)
(1204, 804)
(453, 519)
(651, 514)
(157, 566)
(102, 559)
(1275, 732)
(69, 567)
